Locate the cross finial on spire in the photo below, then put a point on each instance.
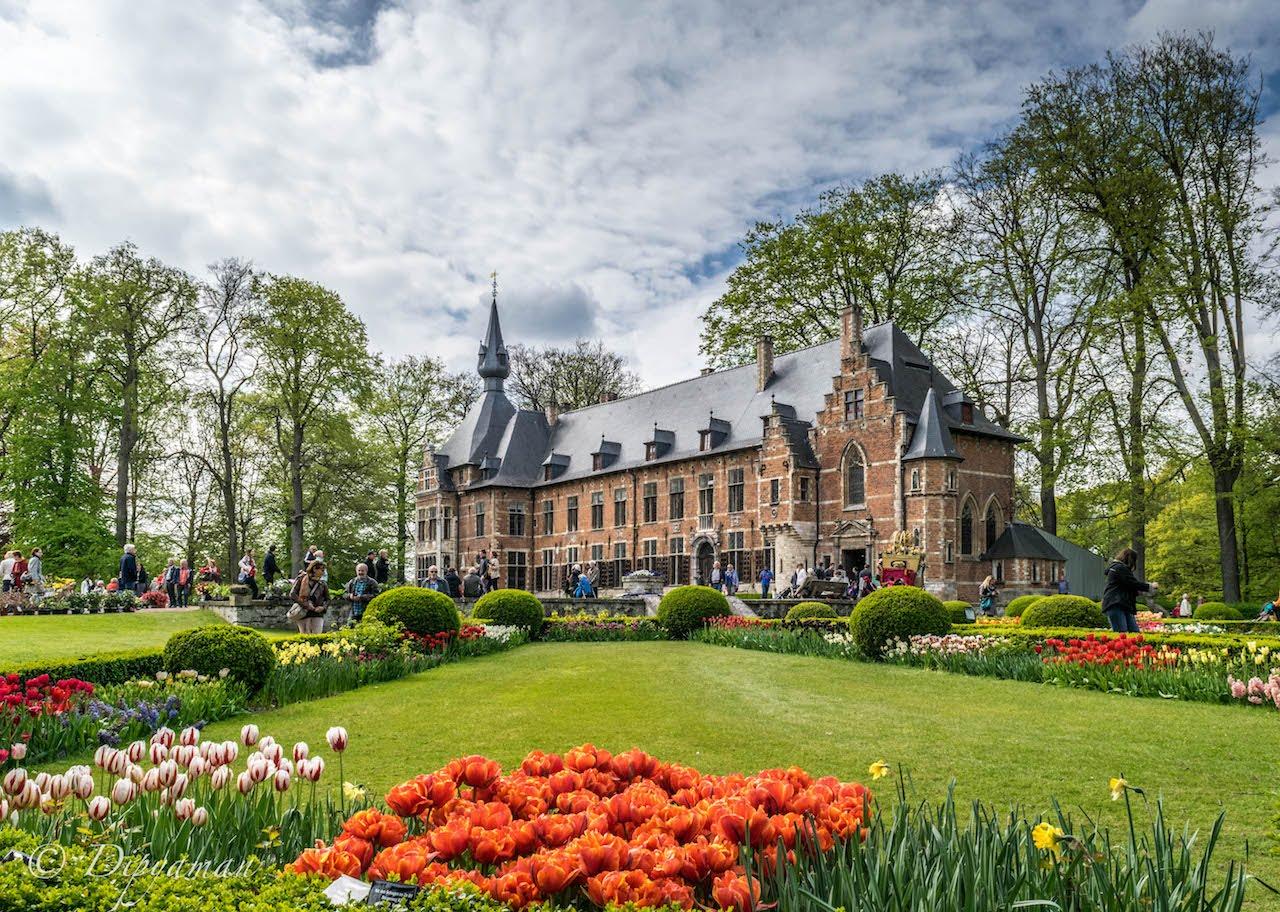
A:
(494, 275)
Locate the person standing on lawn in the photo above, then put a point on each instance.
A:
(1120, 597)
(360, 591)
(183, 586)
(270, 566)
(717, 578)
(731, 580)
(128, 574)
(171, 582)
(1184, 606)
(382, 568)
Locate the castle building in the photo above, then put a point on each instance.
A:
(814, 457)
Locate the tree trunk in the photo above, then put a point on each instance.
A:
(402, 520)
(1137, 461)
(124, 454)
(1224, 482)
(228, 490)
(296, 510)
(1046, 450)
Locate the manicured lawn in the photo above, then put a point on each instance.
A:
(26, 640)
(723, 710)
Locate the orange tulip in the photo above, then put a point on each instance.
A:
(555, 872)
(733, 891)
(407, 861)
(586, 757)
(539, 764)
(598, 853)
(490, 846)
(451, 840)
(491, 815)
(576, 802)
(360, 848)
(326, 862)
(555, 830)
(375, 826)
(479, 772)
(633, 764)
(517, 889)
(564, 781)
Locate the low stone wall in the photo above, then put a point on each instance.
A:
(631, 607)
(271, 615)
(778, 608)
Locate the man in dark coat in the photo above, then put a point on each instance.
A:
(270, 567)
(382, 568)
(128, 574)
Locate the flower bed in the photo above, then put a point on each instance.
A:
(591, 826)
(589, 628)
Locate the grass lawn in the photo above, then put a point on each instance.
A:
(26, 640)
(723, 710)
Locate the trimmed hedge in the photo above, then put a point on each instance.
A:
(807, 611)
(510, 608)
(896, 613)
(245, 653)
(1217, 611)
(959, 611)
(98, 668)
(421, 611)
(1064, 611)
(1021, 604)
(685, 609)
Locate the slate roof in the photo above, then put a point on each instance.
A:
(931, 439)
(521, 441)
(1022, 540)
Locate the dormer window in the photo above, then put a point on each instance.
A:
(606, 455)
(650, 451)
(966, 412)
(715, 433)
(704, 440)
(660, 444)
(555, 465)
(597, 461)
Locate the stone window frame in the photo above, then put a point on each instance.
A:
(571, 513)
(993, 503)
(855, 404)
(649, 499)
(737, 489)
(803, 486)
(971, 504)
(597, 510)
(915, 479)
(516, 518)
(675, 498)
(619, 507)
(775, 491)
(855, 449)
(479, 518)
(597, 552)
(675, 544)
(620, 550)
(548, 516)
(948, 552)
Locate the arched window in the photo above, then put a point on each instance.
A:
(855, 478)
(966, 529)
(994, 522)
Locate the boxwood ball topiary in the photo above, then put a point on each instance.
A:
(421, 611)
(1016, 607)
(807, 611)
(1217, 611)
(688, 608)
(1064, 611)
(959, 611)
(896, 613)
(510, 608)
(246, 654)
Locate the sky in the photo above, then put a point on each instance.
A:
(604, 158)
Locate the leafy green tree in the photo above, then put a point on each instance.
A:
(569, 378)
(880, 248)
(415, 400)
(139, 313)
(314, 361)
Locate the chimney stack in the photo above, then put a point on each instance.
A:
(764, 362)
(552, 412)
(850, 332)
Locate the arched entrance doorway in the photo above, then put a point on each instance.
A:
(706, 556)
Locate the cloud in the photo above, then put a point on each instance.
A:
(23, 199)
(605, 158)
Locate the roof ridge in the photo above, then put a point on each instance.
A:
(724, 370)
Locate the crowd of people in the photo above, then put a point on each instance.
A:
(23, 575)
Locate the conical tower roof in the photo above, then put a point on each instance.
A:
(931, 439)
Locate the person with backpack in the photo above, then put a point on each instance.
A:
(1120, 597)
(987, 593)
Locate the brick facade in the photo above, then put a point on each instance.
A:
(778, 503)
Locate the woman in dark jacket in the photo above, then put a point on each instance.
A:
(1120, 598)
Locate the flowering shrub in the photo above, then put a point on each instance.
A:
(599, 628)
(592, 826)
(154, 599)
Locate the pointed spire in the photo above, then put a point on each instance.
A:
(493, 365)
(932, 439)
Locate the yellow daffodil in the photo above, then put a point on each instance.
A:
(1047, 838)
(352, 792)
(878, 770)
(1118, 785)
